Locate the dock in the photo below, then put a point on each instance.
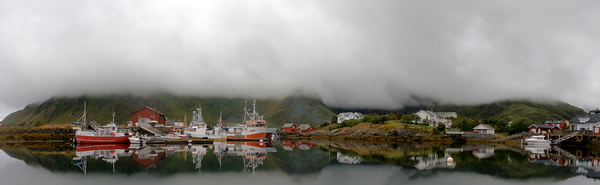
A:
(572, 136)
(185, 141)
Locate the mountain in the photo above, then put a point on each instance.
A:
(301, 106)
(297, 108)
(509, 110)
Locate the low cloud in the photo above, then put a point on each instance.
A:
(352, 53)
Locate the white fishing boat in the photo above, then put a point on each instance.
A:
(199, 129)
(537, 141)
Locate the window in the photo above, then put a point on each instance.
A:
(152, 116)
(139, 116)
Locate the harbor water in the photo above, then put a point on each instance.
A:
(295, 162)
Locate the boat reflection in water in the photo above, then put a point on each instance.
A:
(107, 152)
(253, 153)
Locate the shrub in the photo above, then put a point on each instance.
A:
(324, 124)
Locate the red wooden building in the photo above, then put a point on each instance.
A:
(305, 128)
(289, 128)
(562, 124)
(539, 128)
(149, 113)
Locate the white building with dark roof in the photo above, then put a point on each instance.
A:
(436, 118)
(349, 116)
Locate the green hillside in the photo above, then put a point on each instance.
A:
(509, 110)
(60, 110)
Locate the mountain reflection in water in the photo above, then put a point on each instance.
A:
(296, 162)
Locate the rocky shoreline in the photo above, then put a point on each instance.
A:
(383, 133)
(36, 134)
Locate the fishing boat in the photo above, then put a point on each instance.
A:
(537, 141)
(199, 129)
(109, 133)
(253, 128)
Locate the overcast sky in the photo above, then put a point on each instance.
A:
(355, 54)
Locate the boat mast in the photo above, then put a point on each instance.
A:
(113, 120)
(254, 110)
(84, 117)
(220, 122)
(245, 110)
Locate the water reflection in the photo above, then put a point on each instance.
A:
(321, 162)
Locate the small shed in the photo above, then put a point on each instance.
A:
(289, 128)
(484, 129)
(539, 128)
(305, 128)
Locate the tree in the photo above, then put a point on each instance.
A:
(439, 129)
(464, 125)
(408, 119)
(519, 126)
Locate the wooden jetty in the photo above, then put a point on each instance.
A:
(184, 141)
(572, 136)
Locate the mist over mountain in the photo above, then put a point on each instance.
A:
(300, 107)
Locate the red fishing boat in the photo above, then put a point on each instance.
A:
(109, 133)
(253, 128)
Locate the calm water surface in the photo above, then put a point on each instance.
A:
(294, 162)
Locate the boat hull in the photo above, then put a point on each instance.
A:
(254, 136)
(102, 139)
(538, 142)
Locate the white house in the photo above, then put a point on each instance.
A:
(436, 117)
(484, 129)
(585, 122)
(349, 115)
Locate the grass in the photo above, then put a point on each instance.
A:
(411, 126)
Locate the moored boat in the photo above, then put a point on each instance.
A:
(199, 129)
(253, 128)
(537, 141)
(109, 133)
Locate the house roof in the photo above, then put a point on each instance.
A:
(483, 127)
(445, 113)
(593, 118)
(554, 121)
(345, 114)
(543, 126)
(304, 126)
(146, 107)
(287, 125)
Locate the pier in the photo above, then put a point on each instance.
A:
(572, 136)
